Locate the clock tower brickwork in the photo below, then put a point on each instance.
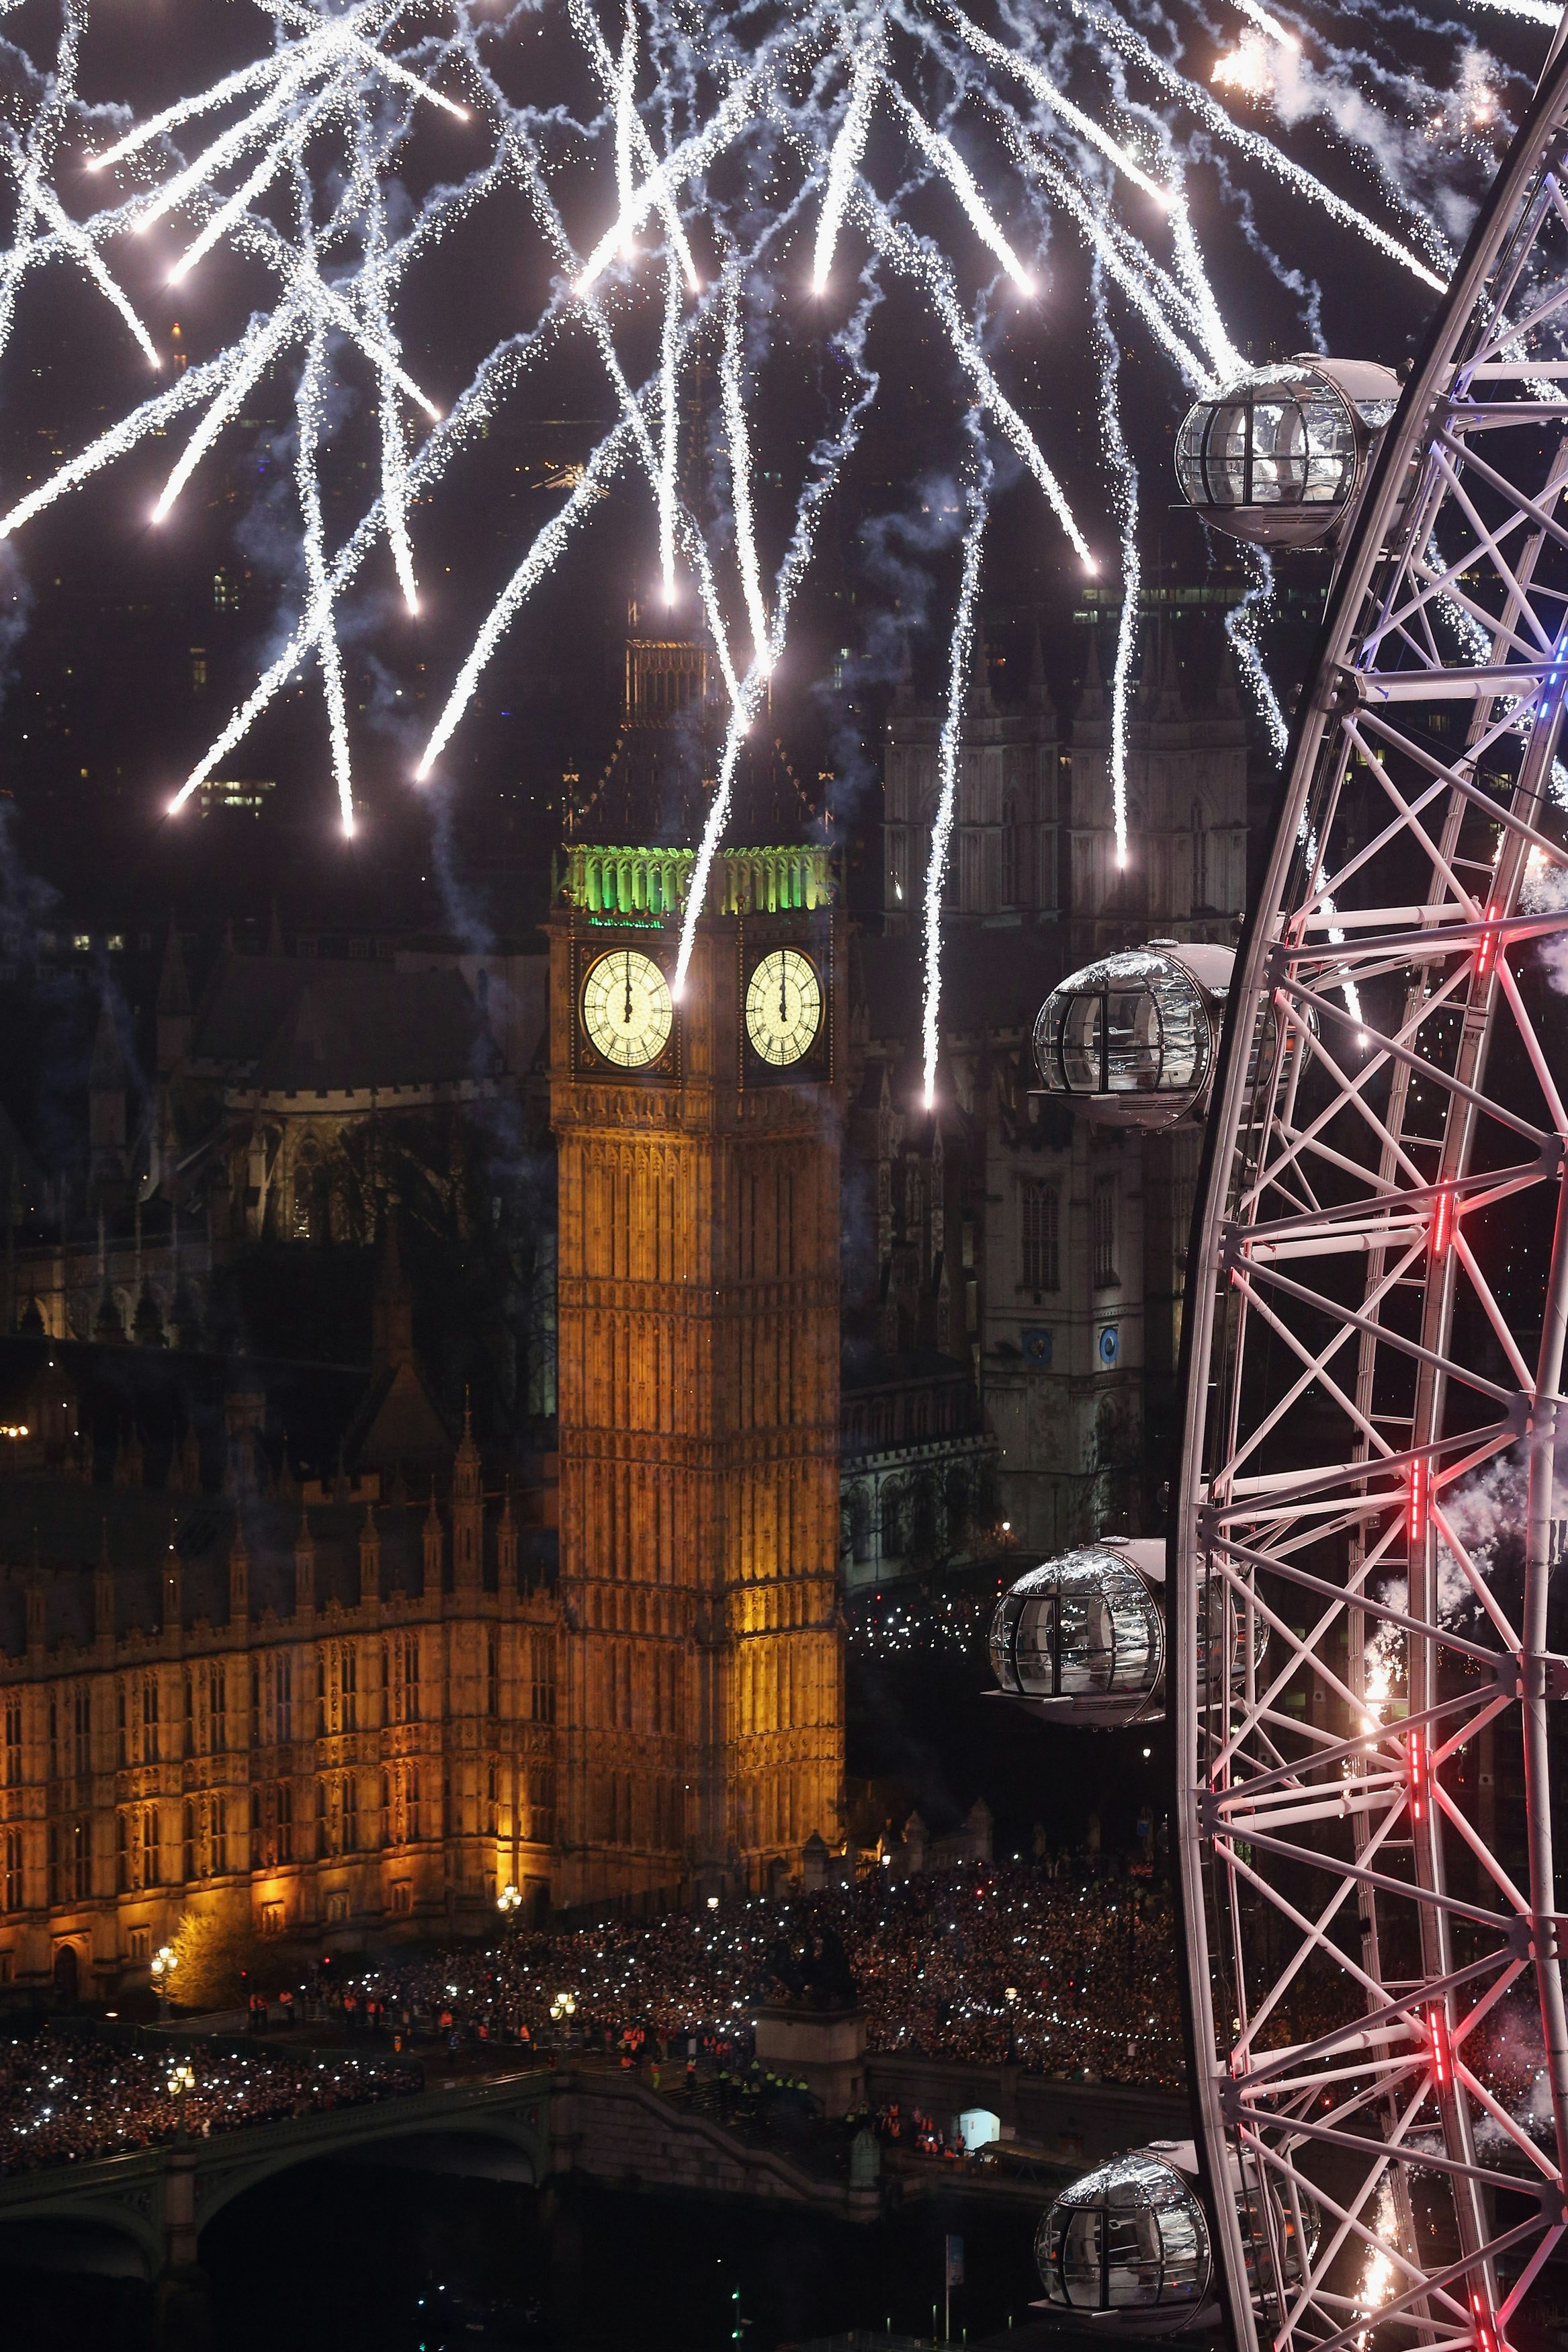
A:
(700, 1726)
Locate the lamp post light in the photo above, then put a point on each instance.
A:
(508, 1903)
(562, 2010)
(165, 1960)
(182, 2082)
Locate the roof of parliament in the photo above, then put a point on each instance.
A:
(133, 1456)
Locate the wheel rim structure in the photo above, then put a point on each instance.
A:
(1377, 1305)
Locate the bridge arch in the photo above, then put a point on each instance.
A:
(492, 2143)
(113, 2237)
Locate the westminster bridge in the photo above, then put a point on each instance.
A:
(147, 2210)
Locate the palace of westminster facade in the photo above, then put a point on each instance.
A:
(610, 1674)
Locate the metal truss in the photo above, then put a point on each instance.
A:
(1377, 1305)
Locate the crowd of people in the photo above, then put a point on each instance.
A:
(907, 1623)
(66, 2098)
(994, 1962)
(988, 1963)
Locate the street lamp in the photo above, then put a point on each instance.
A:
(182, 2082)
(165, 1960)
(508, 1903)
(562, 2010)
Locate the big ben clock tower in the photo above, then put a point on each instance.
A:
(701, 1679)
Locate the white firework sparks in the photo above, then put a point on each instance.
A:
(732, 155)
(959, 658)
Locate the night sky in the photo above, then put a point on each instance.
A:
(130, 644)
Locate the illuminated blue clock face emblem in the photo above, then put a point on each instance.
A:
(1110, 1344)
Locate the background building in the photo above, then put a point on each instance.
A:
(1018, 1270)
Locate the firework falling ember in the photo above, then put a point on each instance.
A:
(690, 177)
(1380, 2274)
(948, 777)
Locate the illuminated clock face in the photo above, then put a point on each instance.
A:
(627, 1009)
(783, 1006)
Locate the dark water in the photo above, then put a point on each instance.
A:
(331, 2257)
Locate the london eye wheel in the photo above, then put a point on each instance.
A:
(1374, 1481)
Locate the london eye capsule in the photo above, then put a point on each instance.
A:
(1128, 2246)
(1282, 457)
(1132, 1039)
(1083, 1639)
(1080, 1640)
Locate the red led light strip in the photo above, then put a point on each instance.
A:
(1486, 953)
(1420, 1473)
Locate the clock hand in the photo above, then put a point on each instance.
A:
(783, 1007)
(627, 1016)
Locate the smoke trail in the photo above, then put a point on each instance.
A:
(394, 450)
(1241, 623)
(539, 559)
(687, 163)
(1131, 269)
(959, 657)
(1536, 12)
(1224, 358)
